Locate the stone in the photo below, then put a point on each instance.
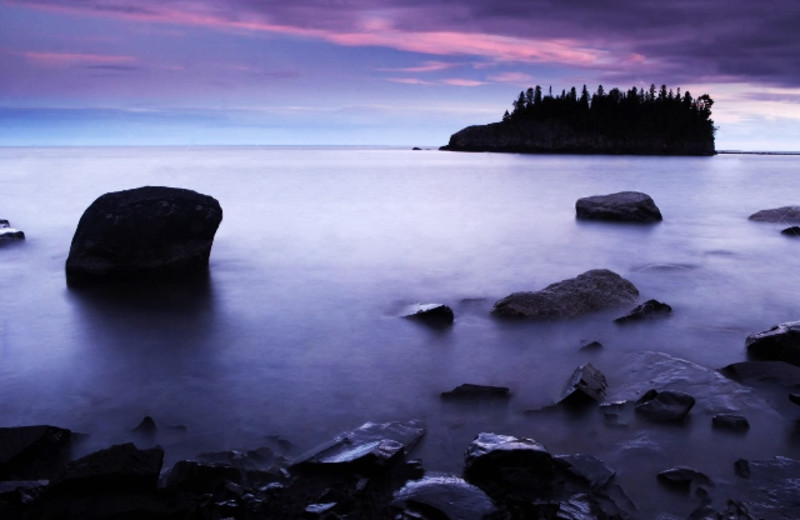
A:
(625, 206)
(589, 469)
(587, 385)
(504, 465)
(122, 467)
(649, 310)
(471, 391)
(196, 477)
(146, 427)
(433, 314)
(8, 233)
(785, 214)
(33, 452)
(591, 347)
(779, 343)
(370, 447)
(683, 478)
(778, 373)
(769, 487)
(793, 232)
(148, 233)
(730, 422)
(664, 406)
(449, 496)
(592, 291)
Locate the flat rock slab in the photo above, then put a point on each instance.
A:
(469, 391)
(779, 343)
(785, 214)
(768, 488)
(592, 291)
(451, 497)
(625, 206)
(147, 233)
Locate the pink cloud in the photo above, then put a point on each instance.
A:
(513, 77)
(428, 66)
(458, 82)
(67, 59)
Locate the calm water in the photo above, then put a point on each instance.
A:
(297, 334)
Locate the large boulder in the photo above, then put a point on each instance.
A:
(780, 343)
(445, 496)
(591, 291)
(151, 232)
(33, 452)
(625, 206)
(785, 214)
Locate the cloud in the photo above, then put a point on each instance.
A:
(68, 59)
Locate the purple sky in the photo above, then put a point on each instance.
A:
(376, 71)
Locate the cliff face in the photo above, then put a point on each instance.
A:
(554, 137)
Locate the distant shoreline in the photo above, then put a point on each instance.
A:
(741, 152)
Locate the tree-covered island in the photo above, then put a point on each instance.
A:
(638, 122)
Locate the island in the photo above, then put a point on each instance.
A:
(633, 122)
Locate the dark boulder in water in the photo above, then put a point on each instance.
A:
(730, 422)
(665, 406)
(587, 385)
(625, 206)
(785, 214)
(594, 290)
(779, 343)
(145, 233)
(33, 452)
(648, 310)
(445, 496)
(793, 232)
(433, 314)
(9, 234)
(472, 391)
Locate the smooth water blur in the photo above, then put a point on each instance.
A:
(297, 332)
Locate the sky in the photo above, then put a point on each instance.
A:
(377, 72)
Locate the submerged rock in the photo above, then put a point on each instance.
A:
(587, 385)
(33, 452)
(448, 496)
(649, 310)
(779, 373)
(9, 234)
(371, 446)
(683, 478)
(625, 206)
(730, 422)
(145, 233)
(594, 290)
(434, 314)
(664, 406)
(780, 343)
(787, 214)
(471, 391)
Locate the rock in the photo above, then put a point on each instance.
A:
(589, 469)
(665, 406)
(146, 427)
(785, 214)
(9, 234)
(793, 232)
(143, 234)
(649, 310)
(503, 466)
(587, 385)
(683, 478)
(625, 206)
(780, 343)
(795, 398)
(369, 447)
(774, 372)
(122, 467)
(591, 347)
(730, 422)
(33, 452)
(769, 487)
(470, 391)
(196, 477)
(591, 291)
(434, 314)
(449, 496)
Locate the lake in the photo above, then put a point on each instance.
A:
(297, 333)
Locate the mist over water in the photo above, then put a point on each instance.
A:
(297, 332)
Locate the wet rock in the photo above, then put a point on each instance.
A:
(795, 398)
(33, 452)
(146, 427)
(505, 466)
(587, 468)
(664, 406)
(730, 422)
(769, 488)
(122, 467)
(443, 497)
(594, 290)
(780, 343)
(195, 477)
(625, 206)
(368, 448)
(683, 478)
(793, 232)
(9, 234)
(587, 385)
(470, 391)
(785, 214)
(778, 373)
(143, 234)
(591, 347)
(649, 310)
(434, 314)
